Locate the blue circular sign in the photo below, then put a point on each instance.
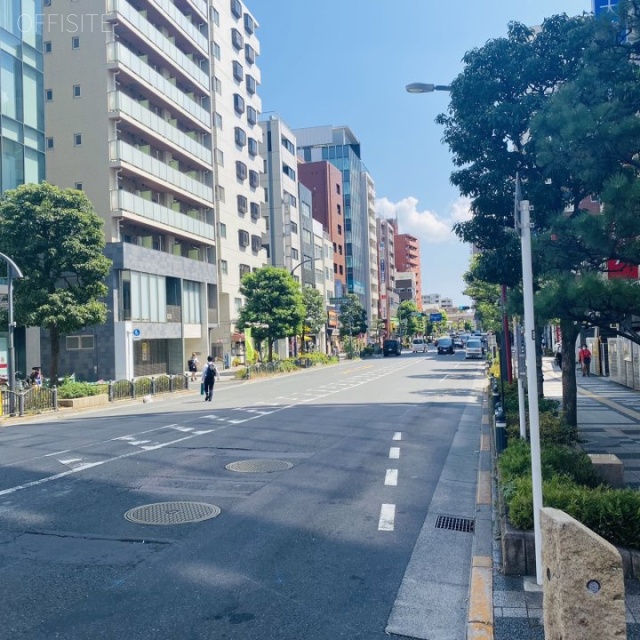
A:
(136, 332)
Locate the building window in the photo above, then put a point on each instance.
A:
(252, 115)
(288, 171)
(339, 209)
(238, 103)
(77, 139)
(238, 304)
(237, 40)
(77, 343)
(250, 82)
(294, 228)
(217, 85)
(340, 249)
(241, 170)
(215, 50)
(255, 211)
(48, 47)
(236, 8)
(222, 229)
(254, 179)
(220, 193)
(288, 145)
(295, 254)
(224, 267)
(244, 269)
(215, 16)
(256, 243)
(238, 71)
(339, 229)
(78, 186)
(243, 238)
(341, 270)
(242, 205)
(219, 155)
(77, 91)
(217, 120)
(337, 188)
(240, 137)
(75, 42)
(253, 147)
(249, 54)
(249, 26)
(49, 143)
(48, 95)
(290, 199)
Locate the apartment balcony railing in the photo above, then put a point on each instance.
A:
(126, 201)
(201, 6)
(163, 45)
(119, 150)
(183, 22)
(117, 53)
(119, 101)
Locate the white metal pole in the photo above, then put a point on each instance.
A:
(532, 379)
(522, 375)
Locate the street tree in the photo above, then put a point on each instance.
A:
(56, 238)
(408, 316)
(353, 319)
(273, 306)
(315, 312)
(485, 294)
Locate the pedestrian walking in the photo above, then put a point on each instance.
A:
(584, 356)
(192, 365)
(559, 355)
(209, 376)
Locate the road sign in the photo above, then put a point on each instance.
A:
(435, 317)
(338, 300)
(136, 334)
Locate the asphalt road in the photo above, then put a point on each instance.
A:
(314, 552)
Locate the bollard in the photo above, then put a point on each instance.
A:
(500, 432)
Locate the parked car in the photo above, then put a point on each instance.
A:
(445, 345)
(473, 349)
(391, 348)
(419, 344)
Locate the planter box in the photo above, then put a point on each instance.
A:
(82, 403)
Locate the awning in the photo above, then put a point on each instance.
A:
(237, 337)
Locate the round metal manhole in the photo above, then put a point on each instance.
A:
(172, 513)
(258, 466)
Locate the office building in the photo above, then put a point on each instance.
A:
(408, 259)
(389, 300)
(370, 242)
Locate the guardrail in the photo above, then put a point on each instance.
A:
(38, 399)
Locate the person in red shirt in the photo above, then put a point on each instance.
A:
(584, 356)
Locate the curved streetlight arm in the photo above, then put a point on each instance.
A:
(304, 262)
(17, 273)
(423, 87)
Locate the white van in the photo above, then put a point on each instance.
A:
(419, 344)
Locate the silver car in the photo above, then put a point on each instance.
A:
(473, 349)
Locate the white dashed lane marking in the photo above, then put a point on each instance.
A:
(387, 517)
(391, 479)
(394, 453)
(397, 435)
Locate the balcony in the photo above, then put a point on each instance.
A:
(183, 23)
(119, 56)
(131, 203)
(159, 172)
(124, 106)
(162, 45)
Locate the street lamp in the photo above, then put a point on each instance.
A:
(422, 87)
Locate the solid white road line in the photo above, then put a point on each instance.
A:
(387, 517)
(391, 479)
(394, 453)
(397, 435)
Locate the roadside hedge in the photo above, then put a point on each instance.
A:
(69, 390)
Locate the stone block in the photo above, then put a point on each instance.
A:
(583, 582)
(610, 468)
(85, 402)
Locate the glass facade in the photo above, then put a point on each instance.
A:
(21, 93)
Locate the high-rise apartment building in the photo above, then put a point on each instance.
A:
(408, 259)
(389, 300)
(129, 121)
(22, 135)
(370, 242)
(238, 166)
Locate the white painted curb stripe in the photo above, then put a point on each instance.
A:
(387, 517)
(391, 479)
(394, 453)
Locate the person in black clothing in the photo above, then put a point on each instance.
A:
(209, 376)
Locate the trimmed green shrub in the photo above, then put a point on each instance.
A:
(69, 390)
(613, 514)
(554, 430)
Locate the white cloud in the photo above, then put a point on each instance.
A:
(428, 226)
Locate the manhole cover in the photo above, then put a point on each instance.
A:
(259, 466)
(452, 523)
(172, 513)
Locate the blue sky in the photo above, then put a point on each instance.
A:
(346, 62)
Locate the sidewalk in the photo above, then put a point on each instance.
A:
(608, 422)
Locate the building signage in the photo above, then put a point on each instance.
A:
(435, 317)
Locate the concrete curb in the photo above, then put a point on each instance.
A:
(480, 612)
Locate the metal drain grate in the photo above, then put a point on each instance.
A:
(259, 466)
(452, 523)
(172, 513)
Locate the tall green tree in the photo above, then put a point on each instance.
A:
(353, 319)
(56, 239)
(411, 324)
(315, 312)
(273, 306)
